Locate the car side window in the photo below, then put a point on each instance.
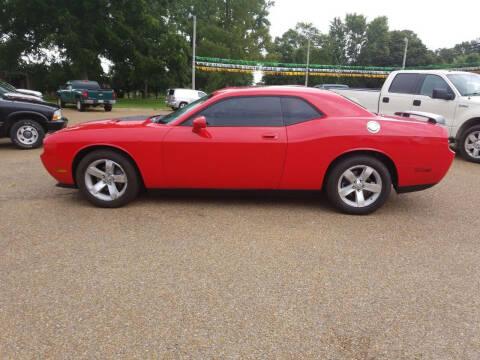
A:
(243, 111)
(434, 82)
(406, 83)
(297, 110)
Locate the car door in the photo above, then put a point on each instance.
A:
(242, 147)
(399, 96)
(425, 101)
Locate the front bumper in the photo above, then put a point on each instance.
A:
(99, 102)
(57, 124)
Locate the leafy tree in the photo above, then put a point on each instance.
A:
(376, 51)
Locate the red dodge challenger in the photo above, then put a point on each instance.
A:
(284, 137)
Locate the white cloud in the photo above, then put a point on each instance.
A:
(438, 24)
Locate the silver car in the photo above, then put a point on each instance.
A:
(178, 98)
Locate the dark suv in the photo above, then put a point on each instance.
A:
(25, 121)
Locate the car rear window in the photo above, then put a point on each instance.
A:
(406, 83)
(88, 85)
(171, 91)
(296, 110)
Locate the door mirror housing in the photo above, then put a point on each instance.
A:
(442, 94)
(199, 123)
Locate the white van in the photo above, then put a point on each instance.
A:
(178, 98)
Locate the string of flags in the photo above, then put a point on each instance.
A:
(287, 69)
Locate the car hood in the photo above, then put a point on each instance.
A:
(16, 96)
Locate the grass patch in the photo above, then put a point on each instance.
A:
(157, 104)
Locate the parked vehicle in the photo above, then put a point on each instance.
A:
(332, 86)
(84, 93)
(283, 137)
(12, 89)
(178, 98)
(452, 94)
(26, 122)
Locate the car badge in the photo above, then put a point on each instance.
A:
(373, 127)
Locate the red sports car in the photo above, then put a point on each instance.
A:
(284, 137)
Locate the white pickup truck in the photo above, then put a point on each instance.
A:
(453, 94)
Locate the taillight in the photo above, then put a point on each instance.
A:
(85, 95)
(114, 95)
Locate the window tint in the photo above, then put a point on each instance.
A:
(433, 82)
(296, 110)
(171, 91)
(88, 85)
(243, 111)
(405, 84)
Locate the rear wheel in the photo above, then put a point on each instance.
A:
(27, 134)
(469, 144)
(80, 106)
(107, 179)
(358, 185)
(60, 103)
(108, 107)
(182, 105)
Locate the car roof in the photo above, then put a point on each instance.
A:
(272, 90)
(436, 72)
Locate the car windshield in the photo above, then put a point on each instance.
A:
(173, 116)
(7, 86)
(466, 84)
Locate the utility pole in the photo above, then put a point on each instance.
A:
(193, 50)
(308, 61)
(405, 52)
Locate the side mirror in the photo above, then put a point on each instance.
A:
(199, 123)
(442, 94)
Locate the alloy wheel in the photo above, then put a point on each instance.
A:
(106, 180)
(359, 186)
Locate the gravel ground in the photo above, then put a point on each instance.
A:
(194, 275)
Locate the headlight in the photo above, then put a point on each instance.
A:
(57, 115)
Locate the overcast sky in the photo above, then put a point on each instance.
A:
(438, 23)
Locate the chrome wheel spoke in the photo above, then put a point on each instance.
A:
(374, 188)
(469, 146)
(366, 173)
(350, 176)
(95, 189)
(109, 167)
(347, 190)
(94, 171)
(360, 198)
(120, 178)
(476, 152)
(472, 138)
(112, 189)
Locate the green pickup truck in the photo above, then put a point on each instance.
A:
(84, 93)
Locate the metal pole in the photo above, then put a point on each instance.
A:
(405, 53)
(193, 50)
(308, 62)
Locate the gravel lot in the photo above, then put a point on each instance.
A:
(193, 275)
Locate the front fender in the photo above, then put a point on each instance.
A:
(27, 115)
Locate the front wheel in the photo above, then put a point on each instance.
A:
(107, 179)
(469, 144)
(358, 185)
(27, 134)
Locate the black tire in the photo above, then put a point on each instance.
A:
(60, 103)
(27, 134)
(108, 107)
(469, 154)
(182, 105)
(132, 185)
(380, 179)
(79, 105)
